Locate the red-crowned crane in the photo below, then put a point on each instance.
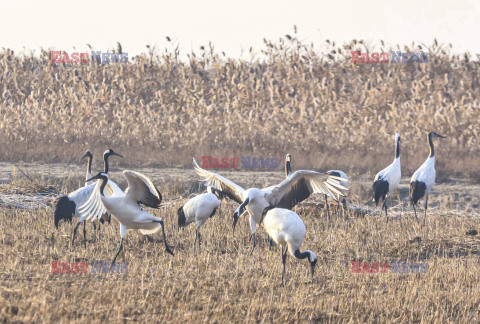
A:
(126, 208)
(423, 179)
(388, 179)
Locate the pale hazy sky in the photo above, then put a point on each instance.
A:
(231, 25)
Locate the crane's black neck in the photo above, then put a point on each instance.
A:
(288, 168)
(102, 186)
(301, 255)
(89, 167)
(105, 162)
(243, 205)
(432, 148)
(397, 149)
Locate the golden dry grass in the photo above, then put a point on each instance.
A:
(320, 107)
(224, 284)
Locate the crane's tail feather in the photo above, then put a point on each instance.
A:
(380, 189)
(151, 231)
(64, 209)
(417, 191)
(181, 217)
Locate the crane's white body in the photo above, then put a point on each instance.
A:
(285, 228)
(388, 179)
(130, 215)
(392, 174)
(116, 191)
(426, 174)
(199, 208)
(125, 208)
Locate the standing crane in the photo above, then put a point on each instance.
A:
(423, 179)
(287, 229)
(198, 209)
(388, 179)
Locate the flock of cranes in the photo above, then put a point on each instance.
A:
(126, 207)
(67, 205)
(270, 208)
(421, 183)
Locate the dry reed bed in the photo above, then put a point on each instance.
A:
(288, 98)
(224, 284)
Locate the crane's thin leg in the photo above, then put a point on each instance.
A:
(99, 226)
(326, 205)
(252, 236)
(94, 231)
(75, 232)
(164, 237)
(199, 242)
(386, 208)
(284, 260)
(118, 252)
(338, 206)
(415, 210)
(270, 243)
(426, 206)
(84, 236)
(195, 242)
(197, 235)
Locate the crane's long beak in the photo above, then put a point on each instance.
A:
(235, 220)
(114, 153)
(92, 178)
(86, 154)
(441, 136)
(312, 269)
(239, 211)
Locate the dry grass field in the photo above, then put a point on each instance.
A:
(223, 283)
